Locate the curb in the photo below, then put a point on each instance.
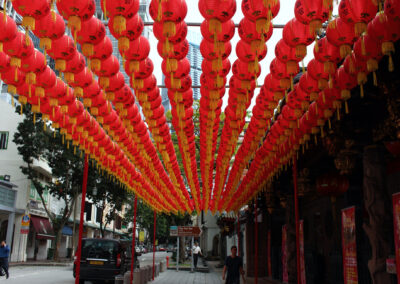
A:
(61, 264)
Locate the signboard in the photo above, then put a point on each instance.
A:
(141, 236)
(285, 276)
(302, 263)
(349, 246)
(26, 219)
(173, 231)
(269, 253)
(184, 231)
(396, 229)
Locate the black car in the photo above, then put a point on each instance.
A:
(103, 259)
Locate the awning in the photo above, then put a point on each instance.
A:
(67, 231)
(42, 227)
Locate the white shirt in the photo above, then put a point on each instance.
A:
(196, 250)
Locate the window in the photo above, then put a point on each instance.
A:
(33, 194)
(98, 215)
(88, 211)
(3, 140)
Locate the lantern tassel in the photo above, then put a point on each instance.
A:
(391, 65)
(375, 79)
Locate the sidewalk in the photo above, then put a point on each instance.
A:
(214, 277)
(61, 262)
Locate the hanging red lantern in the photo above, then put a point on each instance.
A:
(219, 50)
(332, 184)
(211, 68)
(214, 9)
(212, 32)
(107, 67)
(298, 35)
(139, 69)
(74, 65)
(8, 29)
(18, 48)
(256, 50)
(358, 13)
(131, 30)
(313, 13)
(138, 49)
(327, 51)
(49, 28)
(76, 11)
(46, 79)
(342, 35)
(62, 49)
(4, 62)
(103, 49)
(31, 11)
(282, 70)
(171, 10)
(180, 85)
(14, 78)
(321, 71)
(92, 32)
(392, 10)
(177, 51)
(246, 70)
(82, 79)
(255, 10)
(250, 31)
(175, 68)
(33, 63)
(274, 84)
(144, 85)
(127, 9)
(112, 83)
(171, 31)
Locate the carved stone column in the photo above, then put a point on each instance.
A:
(377, 204)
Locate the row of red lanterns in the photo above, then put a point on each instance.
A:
(289, 51)
(170, 30)
(75, 123)
(135, 50)
(381, 29)
(64, 49)
(254, 30)
(217, 30)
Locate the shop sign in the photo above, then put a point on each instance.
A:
(26, 219)
(349, 246)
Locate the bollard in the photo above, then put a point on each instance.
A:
(119, 279)
(167, 261)
(163, 266)
(143, 275)
(157, 270)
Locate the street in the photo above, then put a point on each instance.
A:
(60, 274)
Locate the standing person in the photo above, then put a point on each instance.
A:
(196, 252)
(234, 267)
(4, 254)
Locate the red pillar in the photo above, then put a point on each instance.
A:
(154, 242)
(296, 210)
(133, 239)
(238, 233)
(79, 251)
(256, 243)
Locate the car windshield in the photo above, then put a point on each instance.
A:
(99, 249)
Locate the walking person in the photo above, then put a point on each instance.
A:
(234, 268)
(196, 253)
(4, 255)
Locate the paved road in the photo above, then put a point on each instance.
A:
(60, 275)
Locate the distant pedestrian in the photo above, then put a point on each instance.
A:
(234, 267)
(196, 253)
(4, 255)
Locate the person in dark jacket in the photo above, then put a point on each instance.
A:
(4, 255)
(233, 267)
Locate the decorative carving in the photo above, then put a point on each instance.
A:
(346, 159)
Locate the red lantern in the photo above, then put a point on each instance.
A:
(256, 50)
(211, 68)
(171, 31)
(342, 35)
(107, 67)
(18, 48)
(127, 9)
(31, 11)
(92, 32)
(298, 35)
(82, 79)
(62, 48)
(49, 28)
(175, 68)
(214, 9)
(286, 53)
(359, 13)
(75, 64)
(313, 13)
(139, 69)
(138, 49)
(219, 50)
(392, 10)
(4, 62)
(260, 30)
(321, 71)
(214, 33)
(76, 11)
(113, 83)
(132, 30)
(171, 10)
(8, 29)
(177, 51)
(255, 10)
(246, 70)
(332, 184)
(33, 63)
(326, 51)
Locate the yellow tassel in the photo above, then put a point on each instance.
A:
(329, 124)
(291, 83)
(322, 131)
(61, 65)
(15, 61)
(28, 22)
(375, 79)
(301, 51)
(123, 43)
(169, 29)
(34, 118)
(362, 90)
(74, 150)
(215, 27)
(119, 24)
(316, 46)
(27, 42)
(363, 50)
(44, 125)
(338, 113)
(391, 65)
(345, 50)
(1, 47)
(346, 107)
(67, 144)
(159, 15)
(360, 28)
(21, 109)
(88, 49)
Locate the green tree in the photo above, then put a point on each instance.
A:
(36, 141)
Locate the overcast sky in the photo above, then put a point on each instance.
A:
(285, 14)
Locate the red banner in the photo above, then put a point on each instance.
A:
(285, 276)
(269, 253)
(302, 263)
(349, 247)
(396, 229)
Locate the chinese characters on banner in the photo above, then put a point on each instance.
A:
(269, 253)
(349, 247)
(302, 264)
(396, 229)
(285, 277)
